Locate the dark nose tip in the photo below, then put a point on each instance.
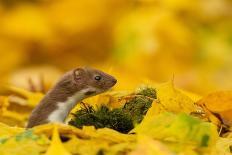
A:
(114, 81)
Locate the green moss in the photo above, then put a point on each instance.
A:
(137, 108)
(148, 91)
(103, 117)
(120, 119)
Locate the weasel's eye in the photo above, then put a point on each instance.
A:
(98, 78)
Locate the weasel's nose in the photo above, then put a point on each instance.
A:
(114, 81)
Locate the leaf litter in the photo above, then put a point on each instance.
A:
(158, 119)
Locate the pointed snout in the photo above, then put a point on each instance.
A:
(114, 81)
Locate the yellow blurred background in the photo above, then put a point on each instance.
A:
(136, 40)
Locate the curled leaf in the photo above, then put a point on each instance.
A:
(219, 103)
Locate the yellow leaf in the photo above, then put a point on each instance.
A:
(47, 129)
(170, 99)
(3, 103)
(106, 134)
(85, 146)
(186, 133)
(32, 98)
(6, 130)
(10, 117)
(223, 146)
(193, 96)
(107, 140)
(148, 146)
(56, 147)
(14, 115)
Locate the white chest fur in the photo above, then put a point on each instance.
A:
(63, 108)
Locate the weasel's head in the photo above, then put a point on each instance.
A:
(92, 81)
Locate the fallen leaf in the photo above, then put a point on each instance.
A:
(33, 98)
(219, 103)
(6, 131)
(19, 141)
(148, 146)
(56, 147)
(180, 132)
(170, 99)
(63, 129)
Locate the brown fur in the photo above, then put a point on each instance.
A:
(72, 82)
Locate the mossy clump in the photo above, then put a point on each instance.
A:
(138, 106)
(148, 92)
(103, 117)
(121, 119)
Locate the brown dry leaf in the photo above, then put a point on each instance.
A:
(220, 103)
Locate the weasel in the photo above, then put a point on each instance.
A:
(73, 87)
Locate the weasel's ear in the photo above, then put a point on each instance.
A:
(78, 73)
